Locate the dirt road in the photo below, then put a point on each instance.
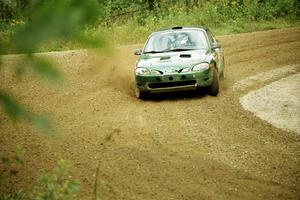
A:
(173, 146)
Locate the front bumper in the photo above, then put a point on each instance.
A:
(174, 82)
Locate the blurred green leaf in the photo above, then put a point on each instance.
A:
(55, 20)
(0, 63)
(91, 41)
(51, 20)
(20, 70)
(19, 156)
(43, 123)
(45, 69)
(42, 67)
(5, 160)
(11, 106)
(73, 186)
(17, 112)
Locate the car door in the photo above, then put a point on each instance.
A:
(217, 52)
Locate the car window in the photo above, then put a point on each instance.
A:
(210, 37)
(176, 40)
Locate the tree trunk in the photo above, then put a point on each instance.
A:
(151, 4)
(2, 11)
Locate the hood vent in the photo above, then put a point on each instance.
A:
(185, 55)
(165, 58)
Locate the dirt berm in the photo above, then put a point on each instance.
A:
(187, 145)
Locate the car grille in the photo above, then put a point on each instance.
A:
(171, 84)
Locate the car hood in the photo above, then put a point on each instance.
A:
(174, 60)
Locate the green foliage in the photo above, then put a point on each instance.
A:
(50, 186)
(211, 13)
(54, 186)
(223, 16)
(120, 17)
(60, 21)
(10, 167)
(11, 164)
(19, 195)
(55, 20)
(113, 7)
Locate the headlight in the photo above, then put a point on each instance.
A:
(155, 72)
(201, 67)
(141, 71)
(144, 71)
(185, 70)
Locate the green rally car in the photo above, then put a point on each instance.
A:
(181, 58)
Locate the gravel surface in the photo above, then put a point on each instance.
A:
(187, 146)
(277, 103)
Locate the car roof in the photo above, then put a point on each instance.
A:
(181, 28)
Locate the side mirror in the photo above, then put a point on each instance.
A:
(138, 52)
(216, 45)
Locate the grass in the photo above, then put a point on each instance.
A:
(138, 34)
(221, 18)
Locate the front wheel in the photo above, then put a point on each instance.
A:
(140, 94)
(214, 88)
(222, 75)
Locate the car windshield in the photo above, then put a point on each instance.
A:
(176, 41)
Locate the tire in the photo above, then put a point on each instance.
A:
(140, 94)
(222, 75)
(214, 88)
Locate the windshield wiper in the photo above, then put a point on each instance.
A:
(178, 49)
(153, 52)
(170, 50)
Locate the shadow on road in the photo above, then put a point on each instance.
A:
(175, 96)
